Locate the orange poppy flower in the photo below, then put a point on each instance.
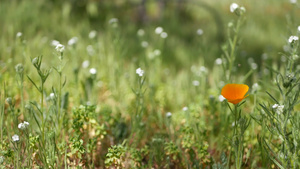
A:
(234, 93)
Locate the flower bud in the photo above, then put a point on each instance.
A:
(19, 68)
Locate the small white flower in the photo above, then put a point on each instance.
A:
(264, 56)
(163, 35)
(15, 138)
(92, 34)
(93, 71)
(233, 7)
(113, 21)
(293, 1)
(221, 98)
(255, 87)
(19, 34)
(275, 106)
(72, 41)
(90, 50)
(156, 52)
(203, 69)
(254, 66)
(55, 42)
(52, 96)
(60, 48)
(196, 83)
(169, 114)
(23, 125)
(243, 9)
(85, 64)
(159, 30)
(26, 123)
(185, 108)
(298, 28)
(218, 61)
(199, 32)
(139, 71)
(293, 39)
(278, 108)
(141, 32)
(144, 44)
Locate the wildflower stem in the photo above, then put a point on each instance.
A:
(42, 110)
(233, 48)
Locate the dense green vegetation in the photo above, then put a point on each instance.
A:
(137, 84)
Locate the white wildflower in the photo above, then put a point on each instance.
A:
(144, 44)
(163, 35)
(264, 56)
(72, 41)
(85, 64)
(254, 66)
(52, 96)
(159, 30)
(278, 108)
(185, 108)
(169, 114)
(90, 50)
(15, 138)
(293, 1)
(218, 61)
(203, 69)
(255, 87)
(221, 98)
(293, 39)
(141, 32)
(26, 123)
(139, 71)
(93, 71)
(233, 7)
(196, 83)
(55, 42)
(23, 125)
(60, 48)
(199, 32)
(298, 28)
(113, 21)
(243, 9)
(19, 68)
(156, 52)
(19, 34)
(92, 34)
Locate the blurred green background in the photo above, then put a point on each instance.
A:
(42, 20)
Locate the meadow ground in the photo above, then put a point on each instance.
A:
(149, 84)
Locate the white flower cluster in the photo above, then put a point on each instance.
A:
(93, 71)
(160, 31)
(169, 114)
(235, 8)
(278, 108)
(72, 41)
(15, 138)
(60, 48)
(23, 125)
(140, 72)
(92, 34)
(293, 39)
